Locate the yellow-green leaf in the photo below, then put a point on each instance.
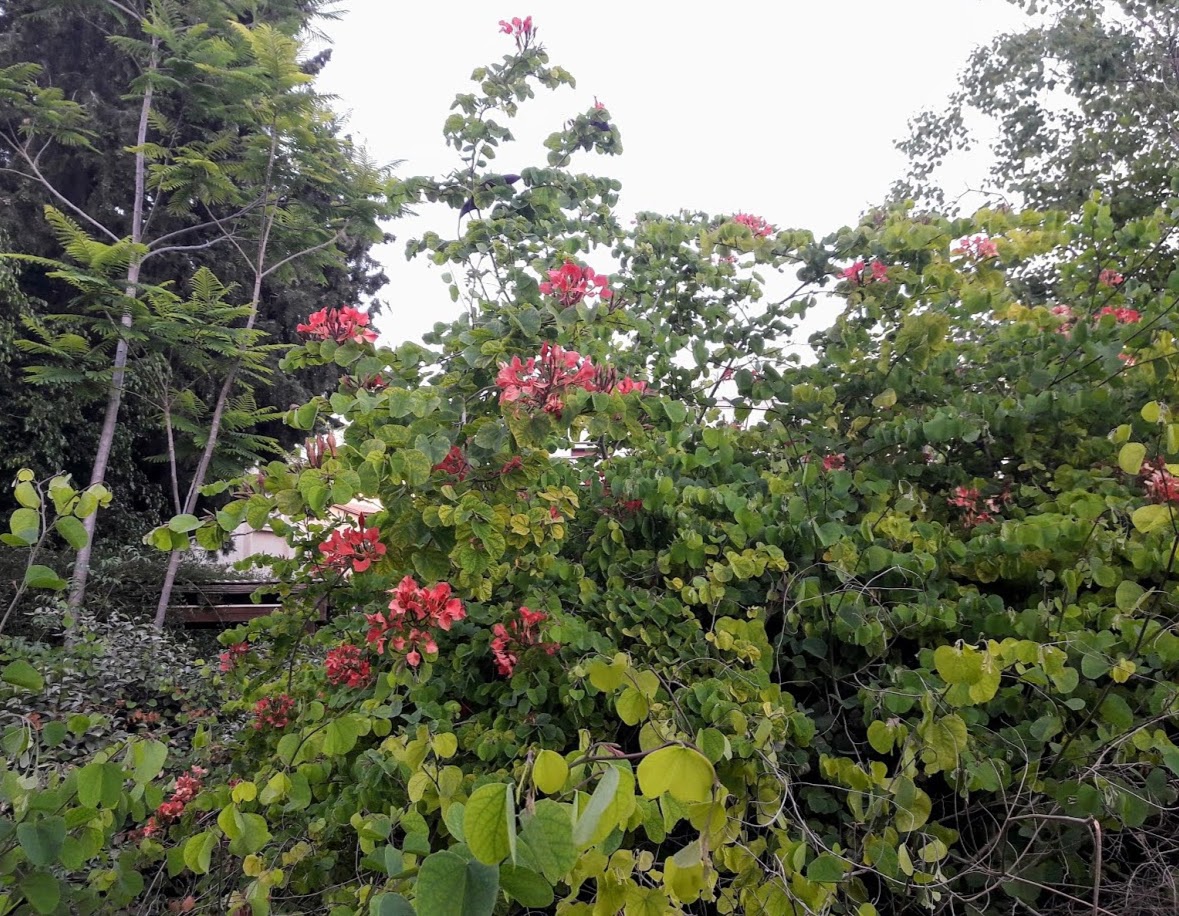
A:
(681, 772)
(550, 772)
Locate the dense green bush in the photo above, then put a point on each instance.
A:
(890, 631)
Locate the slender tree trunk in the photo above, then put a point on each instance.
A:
(110, 420)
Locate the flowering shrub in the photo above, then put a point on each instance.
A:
(878, 273)
(413, 614)
(343, 325)
(977, 248)
(521, 29)
(542, 382)
(273, 712)
(755, 224)
(1121, 315)
(570, 284)
(518, 634)
(232, 655)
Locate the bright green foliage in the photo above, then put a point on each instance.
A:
(885, 632)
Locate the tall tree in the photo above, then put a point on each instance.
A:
(172, 154)
(1085, 98)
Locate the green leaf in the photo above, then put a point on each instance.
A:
(1131, 456)
(26, 495)
(887, 398)
(341, 736)
(600, 801)
(390, 905)
(447, 885)
(525, 887)
(1151, 411)
(25, 524)
(1128, 594)
(826, 868)
(489, 822)
(182, 524)
(682, 772)
(198, 851)
(632, 706)
(549, 772)
(546, 842)
(42, 891)
(72, 530)
(100, 783)
(146, 759)
(21, 674)
(42, 840)
(43, 577)
(1150, 518)
(912, 805)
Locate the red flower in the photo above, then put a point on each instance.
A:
(230, 657)
(1110, 278)
(855, 273)
(541, 382)
(508, 641)
(355, 547)
(273, 711)
(834, 462)
(412, 613)
(976, 510)
(455, 464)
(755, 224)
(344, 665)
(1121, 315)
(569, 284)
(513, 464)
(185, 790)
(341, 325)
(598, 106)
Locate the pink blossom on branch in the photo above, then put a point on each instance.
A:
(343, 325)
(1121, 315)
(834, 462)
(542, 381)
(878, 273)
(355, 547)
(755, 224)
(521, 29)
(1161, 485)
(274, 712)
(1110, 278)
(413, 614)
(230, 657)
(571, 283)
(977, 247)
(345, 666)
(455, 464)
(510, 639)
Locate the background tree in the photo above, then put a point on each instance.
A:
(208, 176)
(1085, 99)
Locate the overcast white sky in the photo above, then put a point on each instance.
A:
(783, 109)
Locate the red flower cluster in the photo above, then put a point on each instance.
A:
(540, 382)
(341, 325)
(508, 641)
(598, 106)
(1161, 485)
(512, 464)
(977, 247)
(628, 385)
(855, 273)
(570, 283)
(455, 464)
(230, 657)
(413, 611)
(185, 790)
(273, 711)
(975, 509)
(355, 547)
(1110, 278)
(344, 665)
(755, 224)
(834, 462)
(522, 29)
(1121, 315)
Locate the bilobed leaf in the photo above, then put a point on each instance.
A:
(42, 840)
(198, 852)
(1150, 518)
(1131, 456)
(37, 576)
(681, 772)
(549, 772)
(25, 524)
(72, 531)
(42, 891)
(546, 842)
(182, 524)
(100, 783)
(912, 805)
(448, 885)
(524, 886)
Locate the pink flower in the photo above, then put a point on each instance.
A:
(1161, 485)
(455, 464)
(319, 448)
(541, 382)
(1128, 358)
(512, 464)
(977, 247)
(569, 284)
(521, 28)
(230, 657)
(344, 665)
(343, 325)
(629, 385)
(1110, 278)
(834, 462)
(521, 632)
(855, 273)
(755, 224)
(976, 510)
(598, 106)
(413, 612)
(355, 547)
(1121, 315)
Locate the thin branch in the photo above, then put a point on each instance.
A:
(208, 224)
(298, 254)
(173, 248)
(61, 198)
